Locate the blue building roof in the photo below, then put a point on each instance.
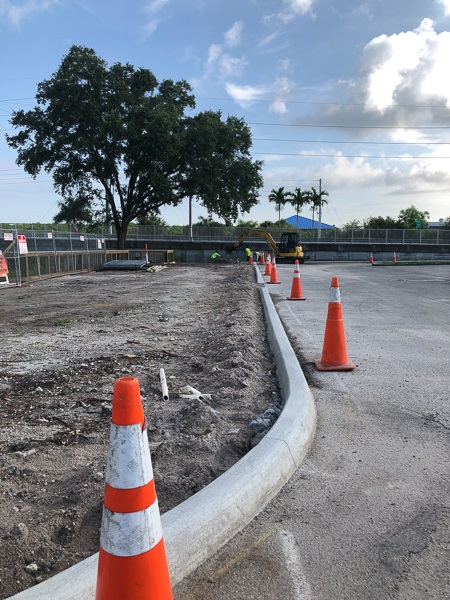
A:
(305, 223)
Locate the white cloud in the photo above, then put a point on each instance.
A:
(283, 89)
(277, 93)
(412, 65)
(231, 66)
(247, 95)
(17, 13)
(234, 34)
(149, 28)
(155, 5)
(403, 83)
(226, 65)
(152, 8)
(445, 5)
(290, 10)
(214, 52)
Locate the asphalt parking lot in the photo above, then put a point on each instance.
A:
(366, 515)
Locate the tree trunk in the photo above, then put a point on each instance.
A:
(122, 237)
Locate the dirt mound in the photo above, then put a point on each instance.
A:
(65, 341)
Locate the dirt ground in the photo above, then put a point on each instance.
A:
(63, 344)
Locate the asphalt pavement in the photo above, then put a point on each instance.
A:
(366, 515)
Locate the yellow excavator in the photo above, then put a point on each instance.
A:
(287, 250)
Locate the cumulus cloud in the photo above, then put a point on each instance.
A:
(446, 6)
(16, 13)
(402, 82)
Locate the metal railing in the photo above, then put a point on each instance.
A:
(56, 240)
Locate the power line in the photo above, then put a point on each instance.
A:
(350, 142)
(313, 126)
(305, 155)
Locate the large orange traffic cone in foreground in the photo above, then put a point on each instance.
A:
(268, 270)
(132, 561)
(334, 353)
(296, 290)
(273, 272)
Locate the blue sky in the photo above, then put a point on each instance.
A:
(354, 94)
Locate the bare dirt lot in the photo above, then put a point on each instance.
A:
(63, 344)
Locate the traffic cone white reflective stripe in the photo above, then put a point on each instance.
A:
(128, 467)
(132, 559)
(130, 534)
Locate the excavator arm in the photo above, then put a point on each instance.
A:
(261, 232)
(288, 249)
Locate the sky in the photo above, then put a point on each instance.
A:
(346, 95)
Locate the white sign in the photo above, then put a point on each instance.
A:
(99, 244)
(8, 237)
(49, 235)
(22, 243)
(81, 238)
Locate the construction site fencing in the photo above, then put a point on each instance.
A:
(46, 239)
(41, 265)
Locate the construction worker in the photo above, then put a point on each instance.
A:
(248, 252)
(215, 257)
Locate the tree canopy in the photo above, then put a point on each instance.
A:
(116, 137)
(279, 198)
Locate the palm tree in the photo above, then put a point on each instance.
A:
(279, 197)
(317, 200)
(298, 199)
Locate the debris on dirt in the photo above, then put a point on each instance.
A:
(65, 341)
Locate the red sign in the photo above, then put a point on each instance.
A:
(22, 243)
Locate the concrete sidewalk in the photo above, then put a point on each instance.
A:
(200, 526)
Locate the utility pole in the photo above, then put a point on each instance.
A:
(319, 224)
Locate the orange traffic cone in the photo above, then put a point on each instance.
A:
(273, 272)
(371, 258)
(132, 561)
(394, 258)
(250, 259)
(3, 269)
(334, 353)
(296, 290)
(268, 270)
(261, 258)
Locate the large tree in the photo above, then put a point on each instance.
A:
(117, 136)
(217, 167)
(412, 218)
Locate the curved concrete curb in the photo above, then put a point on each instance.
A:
(202, 524)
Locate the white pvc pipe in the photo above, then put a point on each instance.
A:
(164, 388)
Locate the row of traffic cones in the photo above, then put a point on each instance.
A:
(334, 352)
(394, 258)
(132, 559)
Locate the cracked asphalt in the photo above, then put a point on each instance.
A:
(366, 515)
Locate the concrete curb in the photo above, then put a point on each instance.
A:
(202, 524)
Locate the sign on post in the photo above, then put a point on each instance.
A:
(22, 243)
